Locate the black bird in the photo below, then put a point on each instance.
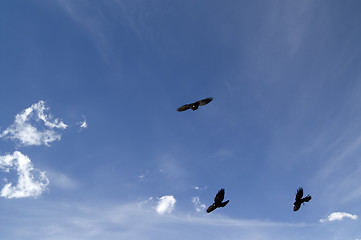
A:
(195, 105)
(299, 199)
(218, 201)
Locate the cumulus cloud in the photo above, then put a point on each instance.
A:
(28, 130)
(338, 216)
(198, 205)
(31, 181)
(165, 204)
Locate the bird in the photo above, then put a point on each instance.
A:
(299, 200)
(218, 201)
(194, 106)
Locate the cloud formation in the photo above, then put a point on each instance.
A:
(31, 181)
(165, 204)
(338, 216)
(83, 124)
(62, 181)
(134, 220)
(141, 177)
(198, 205)
(28, 131)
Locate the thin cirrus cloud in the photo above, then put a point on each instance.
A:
(198, 205)
(31, 181)
(136, 221)
(62, 181)
(27, 129)
(338, 216)
(165, 204)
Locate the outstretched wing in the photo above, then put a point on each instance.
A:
(219, 197)
(205, 101)
(223, 204)
(184, 107)
(307, 198)
(299, 194)
(211, 208)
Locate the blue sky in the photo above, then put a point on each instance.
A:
(92, 146)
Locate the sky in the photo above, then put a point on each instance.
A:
(92, 146)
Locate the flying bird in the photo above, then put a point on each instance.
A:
(299, 199)
(195, 105)
(218, 201)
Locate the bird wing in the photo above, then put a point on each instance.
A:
(299, 194)
(205, 101)
(306, 199)
(184, 107)
(211, 208)
(219, 197)
(223, 204)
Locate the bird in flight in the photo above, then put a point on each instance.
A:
(195, 105)
(218, 201)
(299, 200)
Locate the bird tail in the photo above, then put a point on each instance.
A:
(224, 203)
(307, 198)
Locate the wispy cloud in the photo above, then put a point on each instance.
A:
(62, 181)
(93, 22)
(292, 17)
(223, 154)
(165, 204)
(141, 177)
(338, 216)
(136, 221)
(27, 129)
(198, 205)
(31, 181)
(83, 124)
(199, 188)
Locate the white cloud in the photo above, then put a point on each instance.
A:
(199, 188)
(198, 205)
(62, 181)
(141, 177)
(134, 220)
(31, 181)
(165, 204)
(223, 154)
(27, 130)
(338, 216)
(83, 124)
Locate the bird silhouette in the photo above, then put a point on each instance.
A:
(218, 201)
(299, 200)
(194, 106)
